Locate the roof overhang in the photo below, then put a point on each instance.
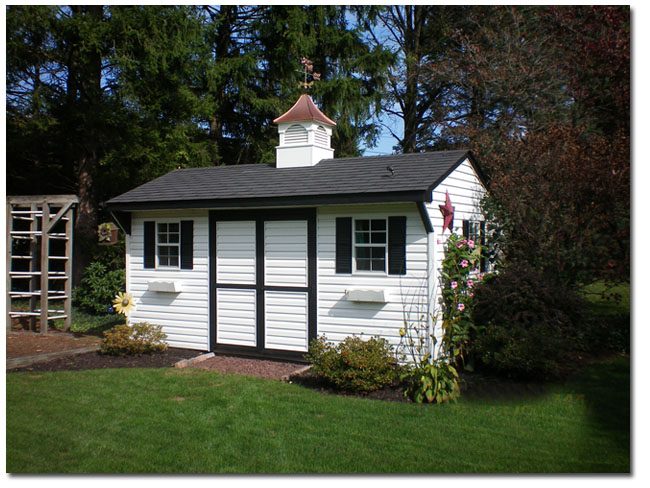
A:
(288, 201)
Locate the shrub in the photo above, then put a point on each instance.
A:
(526, 322)
(432, 382)
(354, 364)
(98, 287)
(137, 339)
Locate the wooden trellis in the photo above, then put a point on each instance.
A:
(39, 258)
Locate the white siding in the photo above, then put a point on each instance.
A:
(236, 317)
(465, 192)
(285, 320)
(338, 317)
(236, 252)
(184, 316)
(285, 253)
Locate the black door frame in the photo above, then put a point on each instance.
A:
(259, 217)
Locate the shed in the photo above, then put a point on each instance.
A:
(259, 259)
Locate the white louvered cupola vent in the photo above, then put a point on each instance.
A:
(296, 134)
(322, 139)
(305, 135)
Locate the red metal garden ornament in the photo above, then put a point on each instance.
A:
(447, 213)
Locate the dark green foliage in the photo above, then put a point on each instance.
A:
(101, 99)
(354, 364)
(98, 288)
(432, 382)
(525, 322)
(142, 338)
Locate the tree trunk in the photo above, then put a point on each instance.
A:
(85, 98)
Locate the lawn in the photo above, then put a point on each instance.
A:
(185, 421)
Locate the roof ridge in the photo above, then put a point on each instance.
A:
(402, 155)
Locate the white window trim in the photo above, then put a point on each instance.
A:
(369, 272)
(177, 244)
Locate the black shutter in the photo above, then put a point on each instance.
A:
(149, 244)
(466, 228)
(397, 245)
(344, 245)
(187, 243)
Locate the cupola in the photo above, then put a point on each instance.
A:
(305, 135)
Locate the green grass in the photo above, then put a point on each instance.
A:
(184, 421)
(85, 322)
(615, 302)
(81, 321)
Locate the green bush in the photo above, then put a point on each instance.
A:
(432, 382)
(525, 323)
(354, 364)
(98, 288)
(140, 338)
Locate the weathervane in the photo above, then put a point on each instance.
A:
(308, 71)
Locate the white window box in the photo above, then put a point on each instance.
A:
(374, 295)
(165, 286)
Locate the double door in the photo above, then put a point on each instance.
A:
(264, 281)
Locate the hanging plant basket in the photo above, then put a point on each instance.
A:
(107, 234)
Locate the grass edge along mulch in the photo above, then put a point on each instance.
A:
(190, 421)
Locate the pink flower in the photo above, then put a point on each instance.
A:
(464, 263)
(461, 306)
(459, 244)
(470, 283)
(454, 284)
(470, 294)
(470, 243)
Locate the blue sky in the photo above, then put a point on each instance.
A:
(386, 140)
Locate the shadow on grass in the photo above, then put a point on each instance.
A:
(606, 390)
(86, 323)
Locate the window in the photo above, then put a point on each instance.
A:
(472, 230)
(475, 230)
(168, 244)
(370, 245)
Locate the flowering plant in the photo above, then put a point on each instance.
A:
(458, 276)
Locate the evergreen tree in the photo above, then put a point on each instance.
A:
(101, 99)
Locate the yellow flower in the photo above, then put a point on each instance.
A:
(123, 303)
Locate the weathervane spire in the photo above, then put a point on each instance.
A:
(308, 71)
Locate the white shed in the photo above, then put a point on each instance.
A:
(260, 259)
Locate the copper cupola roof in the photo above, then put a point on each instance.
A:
(304, 109)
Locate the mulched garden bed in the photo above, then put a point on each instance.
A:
(167, 359)
(309, 380)
(96, 360)
(472, 385)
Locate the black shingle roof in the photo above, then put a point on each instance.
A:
(342, 180)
